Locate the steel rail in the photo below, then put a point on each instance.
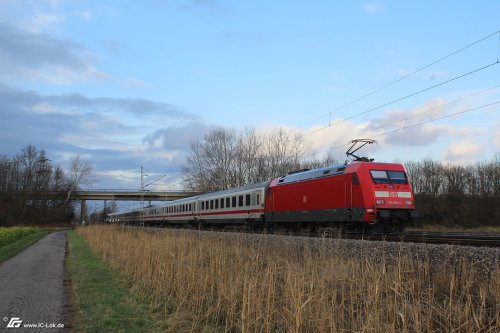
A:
(451, 238)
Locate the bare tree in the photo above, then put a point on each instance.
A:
(208, 167)
(24, 179)
(80, 174)
(282, 153)
(455, 177)
(225, 159)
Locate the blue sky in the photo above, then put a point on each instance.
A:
(127, 84)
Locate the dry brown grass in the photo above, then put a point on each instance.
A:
(252, 286)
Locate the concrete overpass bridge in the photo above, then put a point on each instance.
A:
(102, 195)
(125, 195)
(130, 195)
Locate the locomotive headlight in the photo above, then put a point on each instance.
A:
(380, 202)
(408, 202)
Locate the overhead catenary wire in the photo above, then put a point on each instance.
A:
(401, 98)
(439, 107)
(408, 75)
(405, 127)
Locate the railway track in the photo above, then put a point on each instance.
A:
(451, 238)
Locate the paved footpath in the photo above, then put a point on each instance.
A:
(32, 289)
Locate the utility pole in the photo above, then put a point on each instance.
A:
(142, 195)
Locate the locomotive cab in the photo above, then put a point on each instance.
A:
(388, 198)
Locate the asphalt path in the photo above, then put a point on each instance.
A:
(32, 288)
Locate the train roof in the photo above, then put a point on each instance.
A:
(235, 190)
(219, 193)
(311, 174)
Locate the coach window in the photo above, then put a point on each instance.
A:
(233, 202)
(228, 202)
(211, 204)
(247, 200)
(258, 199)
(240, 201)
(203, 205)
(222, 203)
(216, 203)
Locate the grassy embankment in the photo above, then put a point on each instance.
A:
(101, 301)
(255, 286)
(15, 239)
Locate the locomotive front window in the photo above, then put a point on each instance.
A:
(388, 177)
(397, 177)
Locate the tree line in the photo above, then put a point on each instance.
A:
(31, 172)
(449, 194)
(456, 194)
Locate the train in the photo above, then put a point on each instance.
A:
(361, 194)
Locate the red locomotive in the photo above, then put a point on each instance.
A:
(357, 194)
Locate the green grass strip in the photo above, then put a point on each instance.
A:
(101, 300)
(13, 248)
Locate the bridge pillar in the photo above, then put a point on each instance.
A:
(83, 210)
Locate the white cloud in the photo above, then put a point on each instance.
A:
(41, 22)
(86, 14)
(398, 118)
(373, 7)
(126, 175)
(464, 152)
(136, 83)
(496, 137)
